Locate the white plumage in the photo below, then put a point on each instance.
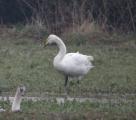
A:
(70, 64)
(73, 64)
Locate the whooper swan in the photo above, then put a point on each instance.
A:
(69, 64)
(18, 98)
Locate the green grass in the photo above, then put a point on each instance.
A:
(71, 110)
(24, 61)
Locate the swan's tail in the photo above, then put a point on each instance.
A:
(91, 58)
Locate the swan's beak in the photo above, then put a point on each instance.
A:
(45, 43)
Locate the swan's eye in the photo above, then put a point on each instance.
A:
(53, 44)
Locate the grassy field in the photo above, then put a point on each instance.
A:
(44, 110)
(24, 61)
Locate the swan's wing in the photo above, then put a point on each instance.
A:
(76, 62)
(78, 59)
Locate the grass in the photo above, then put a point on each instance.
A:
(24, 61)
(72, 110)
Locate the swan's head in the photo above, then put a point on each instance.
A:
(51, 39)
(21, 90)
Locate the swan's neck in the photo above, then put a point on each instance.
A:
(62, 50)
(16, 102)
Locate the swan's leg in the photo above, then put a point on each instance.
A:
(66, 81)
(78, 82)
(66, 86)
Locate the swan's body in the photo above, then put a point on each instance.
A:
(70, 64)
(17, 99)
(73, 64)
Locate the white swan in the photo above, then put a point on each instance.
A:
(70, 64)
(18, 98)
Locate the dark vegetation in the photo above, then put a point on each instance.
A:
(59, 15)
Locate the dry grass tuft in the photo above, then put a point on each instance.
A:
(35, 30)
